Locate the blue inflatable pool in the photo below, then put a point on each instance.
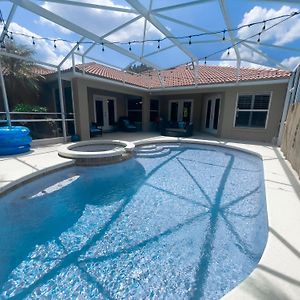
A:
(14, 140)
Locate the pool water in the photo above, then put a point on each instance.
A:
(189, 224)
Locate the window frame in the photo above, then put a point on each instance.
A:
(252, 109)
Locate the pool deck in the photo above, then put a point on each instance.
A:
(277, 275)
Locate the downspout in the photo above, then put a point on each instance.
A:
(4, 95)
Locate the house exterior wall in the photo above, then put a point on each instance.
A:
(83, 93)
(86, 89)
(227, 120)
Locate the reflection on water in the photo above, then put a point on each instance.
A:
(188, 225)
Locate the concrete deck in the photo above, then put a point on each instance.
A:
(277, 276)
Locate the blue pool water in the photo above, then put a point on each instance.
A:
(182, 222)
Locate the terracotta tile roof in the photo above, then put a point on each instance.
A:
(182, 75)
(38, 70)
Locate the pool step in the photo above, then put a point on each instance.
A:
(159, 153)
(154, 150)
(149, 149)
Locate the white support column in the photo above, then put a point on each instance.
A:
(83, 66)
(4, 95)
(8, 21)
(230, 33)
(62, 106)
(73, 63)
(285, 111)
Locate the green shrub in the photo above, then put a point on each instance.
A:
(22, 107)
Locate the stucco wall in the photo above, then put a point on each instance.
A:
(267, 134)
(87, 88)
(83, 91)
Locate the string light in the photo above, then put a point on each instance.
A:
(189, 37)
(250, 37)
(1, 18)
(258, 40)
(78, 49)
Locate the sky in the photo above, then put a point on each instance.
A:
(279, 46)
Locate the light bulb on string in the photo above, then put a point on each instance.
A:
(224, 35)
(258, 40)
(33, 41)
(190, 40)
(78, 49)
(102, 47)
(228, 51)
(129, 43)
(264, 27)
(205, 58)
(54, 44)
(158, 44)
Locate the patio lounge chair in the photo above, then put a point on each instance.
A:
(95, 130)
(178, 129)
(126, 125)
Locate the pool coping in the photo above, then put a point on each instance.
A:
(268, 276)
(68, 152)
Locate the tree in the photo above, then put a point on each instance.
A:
(138, 68)
(19, 74)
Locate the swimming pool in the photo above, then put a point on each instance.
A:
(177, 221)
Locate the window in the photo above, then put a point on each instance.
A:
(134, 107)
(154, 110)
(252, 110)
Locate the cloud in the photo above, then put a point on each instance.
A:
(58, 28)
(283, 33)
(43, 49)
(101, 21)
(291, 62)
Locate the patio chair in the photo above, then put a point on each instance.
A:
(126, 125)
(95, 130)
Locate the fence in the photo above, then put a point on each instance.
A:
(291, 139)
(41, 124)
